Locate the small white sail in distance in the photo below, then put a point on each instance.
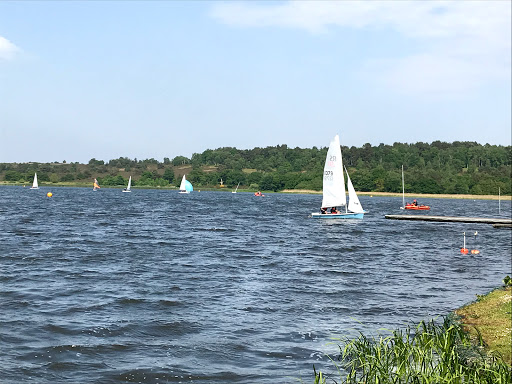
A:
(35, 185)
(183, 185)
(129, 187)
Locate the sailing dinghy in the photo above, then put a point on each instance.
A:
(334, 194)
(411, 206)
(34, 183)
(185, 186)
(95, 185)
(129, 187)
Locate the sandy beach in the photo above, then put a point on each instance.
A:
(411, 195)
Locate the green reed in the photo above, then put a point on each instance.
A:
(429, 353)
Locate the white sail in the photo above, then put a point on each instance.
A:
(35, 185)
(129, 187)
(236, 189)
(353, 201)
(334, 181)
(183, 183)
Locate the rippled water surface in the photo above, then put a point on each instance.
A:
(215, 287)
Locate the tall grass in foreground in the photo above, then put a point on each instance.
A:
(430, 353)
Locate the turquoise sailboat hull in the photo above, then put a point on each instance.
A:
(332, 216)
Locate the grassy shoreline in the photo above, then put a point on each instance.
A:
(491, 315)
(472, 345)
(411, 195)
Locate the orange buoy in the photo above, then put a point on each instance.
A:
(464, 250)
(475, 251)
(49, 194)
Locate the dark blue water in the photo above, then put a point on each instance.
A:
(213, 287)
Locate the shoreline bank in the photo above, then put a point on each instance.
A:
(491, 314)
(410, 195)
(470, 342)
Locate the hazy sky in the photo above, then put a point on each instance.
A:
(165, 78)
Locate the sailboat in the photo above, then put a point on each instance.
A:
(236, 189)
(129, 187)
(411, 206)
(96, 186)
(185, 186)
(334, 194)
(34, 183)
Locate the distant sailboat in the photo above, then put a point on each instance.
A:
(129, 187)
(185, 186)
(334, 194)
(96, 186)
(34, 184)
(236, 189)
(414, 205)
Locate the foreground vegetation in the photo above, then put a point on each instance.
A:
(452, 352)
(490, 319)
(436, 168)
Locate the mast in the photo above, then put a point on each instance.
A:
(499, 200)
(403, 187)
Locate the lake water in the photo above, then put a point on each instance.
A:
(214, 287)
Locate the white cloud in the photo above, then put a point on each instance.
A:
(7, 49)
(460, 45)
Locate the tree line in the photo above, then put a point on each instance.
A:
(438, 167)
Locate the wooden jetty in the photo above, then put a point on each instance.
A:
(454, 219)
(502, 225)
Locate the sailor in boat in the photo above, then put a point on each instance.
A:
(334, 210)
(415, 203)
(323, 211)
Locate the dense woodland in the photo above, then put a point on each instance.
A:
(439, 167)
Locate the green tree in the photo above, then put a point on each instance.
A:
(168, 175)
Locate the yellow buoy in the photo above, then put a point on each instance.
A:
(49, 194)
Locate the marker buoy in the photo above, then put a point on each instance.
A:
(49, 194)
(464, 250)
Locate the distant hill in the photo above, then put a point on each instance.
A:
(436, 168)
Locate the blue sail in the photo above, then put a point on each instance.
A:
(188, 186)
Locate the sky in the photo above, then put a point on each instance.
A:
(154, 79)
